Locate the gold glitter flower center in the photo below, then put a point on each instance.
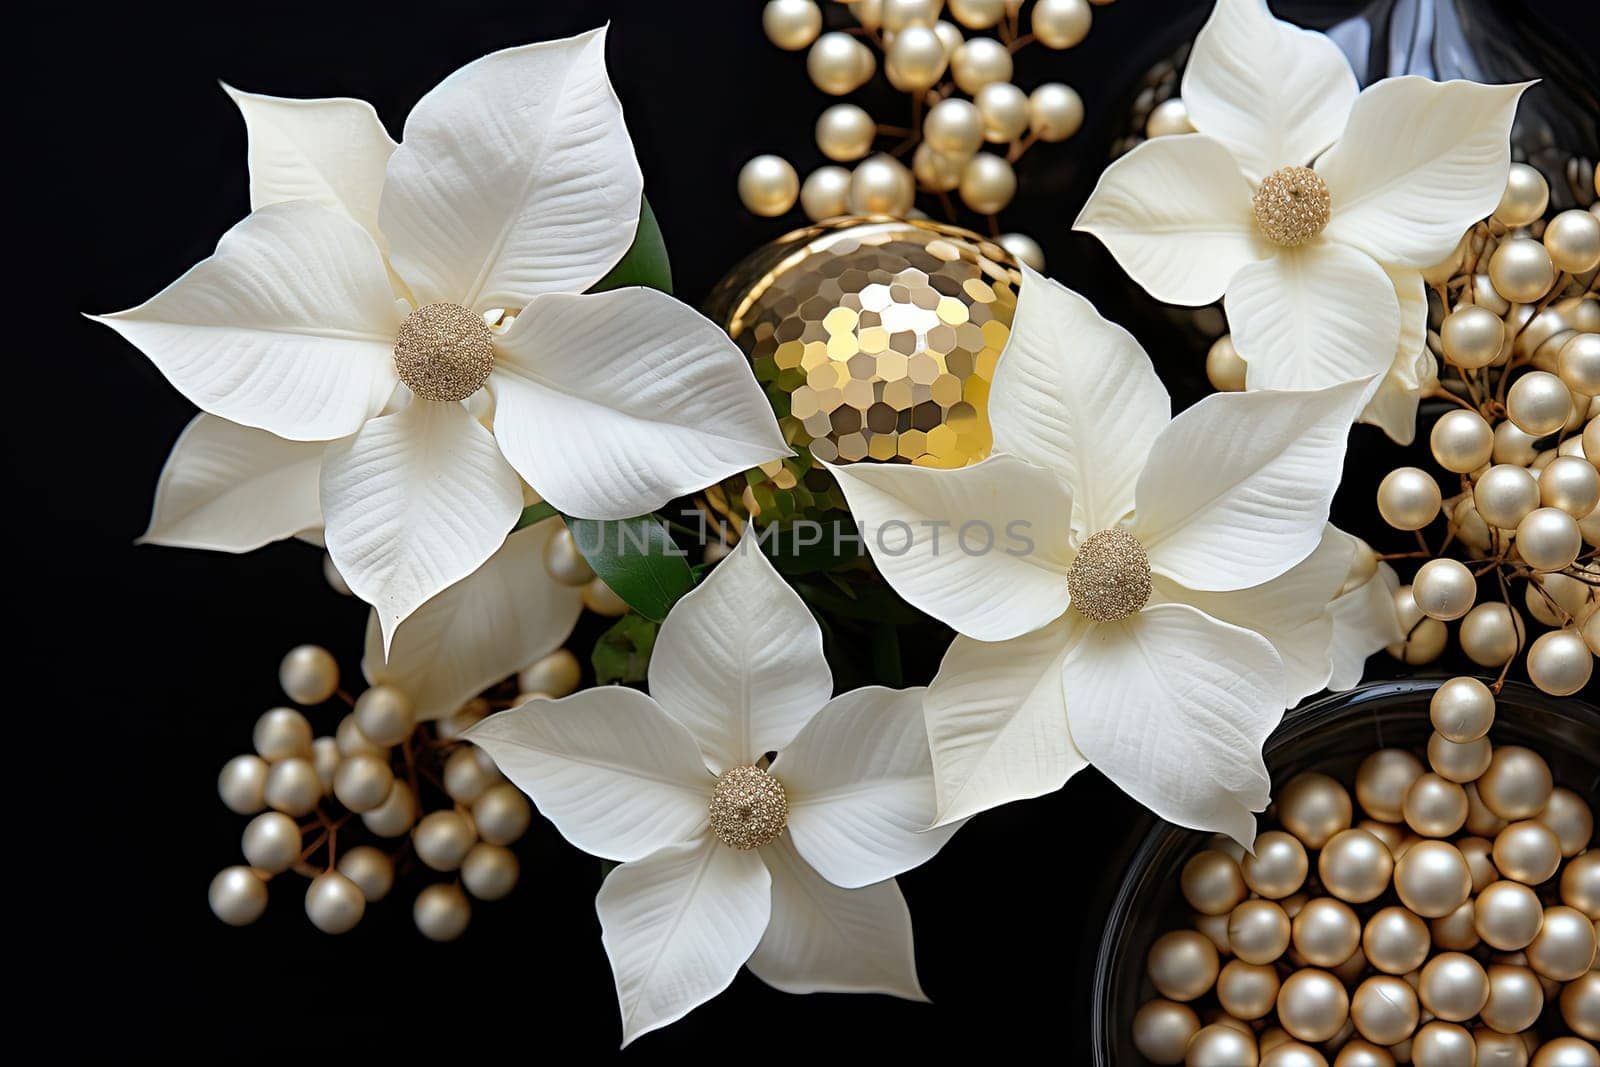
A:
(444, 352)
(1292, 205)
(748, 808)
(1110, 579)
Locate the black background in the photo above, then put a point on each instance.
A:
(142, 670)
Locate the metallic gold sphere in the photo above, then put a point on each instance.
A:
(443, 838)
(916, 59)
(1291, 206)
(1521, 270)
(1525, 198)
(1211, 883)
(825, 195)
(334, 903)
(1258, 931)
(1247, 990)
(395, 816)
(385, 715)
(1455, 932)
(1461, 441)
(1293, 1054)
(352, 742)
(1225, 368)
(1162, 1029)
(1564, 948)
(881, 185)
(1384, 1010)
(292, 786)
(1504, 495)
(1527, 851)
(242, 784)
(1539, 403)
(501, 814)
(1508, 915)
(1432, 878)
(1382, 781)
(1359, 1052)
(271, 842)
(1444, 588)
(1517, 784)
(980, 15)
(1459, 761)
(1500, 1050)
(1220, 1045)
(465, 778)
(1424, 637)
(791, 24)
(1566, 1051)
(1472, 336)
(309, 675)
(1491, 634)
(442, 912)
(1314, 807)
(1515, 999)
(1055, 111)
(362, 783)
(1482, 822)
(1408, 498)
(1278, 866)
(1023, 249)
(1513, 446)
(1453, 986)
(1442, 1044)
(1060, 23)
(1395, 941)
(1182, 965)
(845, 132)
(1573, 240)
(1570, 483)
(935, 170)
(490, 871)
(1312, 1005)
(1167, 118)
(370, 869)
(768, 186)
(873, 340)
(1559, 661)
(1462, 709)
(987, 183)
(838, 63)
(1578, 361)
(1580, 1005)
(902, 14)
(1004, 108)
(953, 128)
(282, 733)
(1355, 866)
(237, 896)
(1569, 817)
(1326, 932)
(1214, 927)
(1548, 539)
(981, 61)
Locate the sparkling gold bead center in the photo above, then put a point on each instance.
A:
(748, 808)
(1292, 205)
(1110, 579)
(444, 352)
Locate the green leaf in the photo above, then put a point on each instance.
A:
(622, 654)
(638, 559)
(645, 262)
(534, 513)
(886, 655)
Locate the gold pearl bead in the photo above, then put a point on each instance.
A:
(1571, 484)
(1527, 851)
(1395, 941)
(280, 734)
(271, 842)
(1508, 915)
(555, 675)
(979, 15)
(1314, 807)
(1382, 781)
(1455, 932)
(934, 170)
(1548, 539)
(1461, 441)
(1525, 198)
(1453, 986)
(1211, 883)
(1162, 1030)
(768, 186)
(1521, 271)
(881, 185)
(352, 742)
(309, 675)
(1462, 709)
(1004, 108)
(1459, 761)
(237, 896)
(1061, 23)
(1219, 1045)
(953, 128)
(1258, 931)
(1504, 495)
(949, 36)
(899, 15)
(241, 784)
(1355, 866)
(1441, 1044)
(1491, 634)
(1408, 498)
(385, 715)
(465, 777)
(1326, 932)
(823, 195)
(1278, 866)
(1564, 948)
(1312, 1005)
(370, 869)
(395, 816)
(791, 24)
(1513, 446)
(1425, 638)
(1384, 1010)
(987, 183)
(916, 59)
(1472, 336)
(1168, 118)
(1435, 806)
(1580, 884)
(292, 786)
(1432, 878)
(334, 903)
(839, 64)
(1578, 361)
(563, 561)
(1559, 661)
(1444, 589)
(1515, 999)
(490, 871)
(1573, 240)
(1499, 1050)
(441, 912)
(1580, 1005)
(599, 598)
(502, 814)
(1225, 368)
(362, 783)
(1023, 249)
(325, 757)
(1055, 112)
(1539, 403)
(1214, 927)
(1566, 1052)
(979, 62)
(1482, 822)
(1182, 965)
(443, 838)
(1517, 784)
(1247, 990)
(1570, 819)
(1362, 1053)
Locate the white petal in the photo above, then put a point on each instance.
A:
(229, 488)
(1176, 213)
(997, 721)
(678, 925)
(1419, 162)
(1238, 487)
(515, 177)
(414, 503)
(331, 152)
(1291, 611)
(1174, 706)
(614, 403)
(1275, 94)
(859, 779)
(823, 939)
(1364, 620)
(1393, 409)
(616, 774)
(288, 327)
(1412, 293)
(1076, 395)
(982, 548)
(497, 620)
(739, 661)
(1313, 316)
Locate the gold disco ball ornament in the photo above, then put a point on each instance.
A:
(875, 340)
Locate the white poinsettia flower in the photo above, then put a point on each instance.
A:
(1311, 205)
(420, 309)
(1136, 591)
(728, 860)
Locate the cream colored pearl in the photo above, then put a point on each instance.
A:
(881, 185)
(1507, 915)
(1580, 884)
(1527, 851)
(1573, 240)
(902, 14)
(979, 62)
(1525, 197)
(1055, 112)
(1355, 866)
(1441, 1044)
(441, 912)
(1004, 108)
(987, 183)
(1211, 883)
(1408, 498)
(1395, 941)
(563, 561)
(1425, 638)
(1219, 1045)
(916, 59)
(1504, 495)
(362, 783)
(1162, 1030)
(1560, 663)
(1214, 927)
(1458, 761)
(1247, 990)
(1023, 249)
(1314, 807)
(1435, 806)
(949, 35)
(1389, 834)
(1472, 336)
(824, 195)
(1499, 1050)
(352, 742)
(934, 170)
(1455, 932)
(271, 841)
(325, 757)
(953, 128)
(1565, 946)
(370, 869)
(1578, 362)
(1580, 1005)
(1182, 965)
(1462, 709)
(502, 814)
(1278, 867)
(839, 64)
(555, 675)
(1326, 932)
(1225, 368)
(309, 675)
(1548, 539)
(1384, 1010)
(465, 778)
(1060, 23)
(768, 186)
(1461, 441)
(1361, 1053)
(292, 786)
(385, 715)
(1480, 821)
(282, 733)
(1539, 403)
(1491, 634)
(1432, 878)
(1517, 784)
(978, 15)
(1571, 484)
(1453, 987)
(1570, 818)
(490, 871)
(1258, 931)
(241, 784)
(1513, 446)
(599, 598)
(791, 24)
(1566, 1051)
(1312, 1005)
(237, 896)
(1168, 118)
(1444, 589)
(443, 838)
(1515, 999)
(395, 816)
(335, 580)
(334, 903)
(1521, 270)
(1382, 781)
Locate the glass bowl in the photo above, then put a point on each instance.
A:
(1331, 735)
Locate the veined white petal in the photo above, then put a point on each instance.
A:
(1176, 213)
(612, 404)
(1076, 395)
(1274, 94)
(997, 720)
(1412, 294)
(1419, 162)
(1238, 487)
(1291, 611)
(619, 777)
(515, 177)
(1364, 621)
(331, 152)
(1174, 706)
(678, 925)
(229, 488)
(824, 939)
(859, 779)
(288, 327)
(983, 548)
(739, 661)
(414, 503)
(497, 620)
(1313, 316)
